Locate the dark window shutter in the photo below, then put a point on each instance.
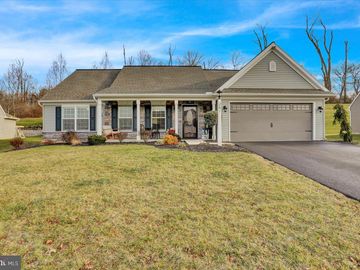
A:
(92, 118)
(114, 117)
(134, 117)
(58, 118)
(148, 117)
(168, 116)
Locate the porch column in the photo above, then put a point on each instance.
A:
(176, 116)
(98, 116)
(213, 108)
(219, 126)
(138, 135)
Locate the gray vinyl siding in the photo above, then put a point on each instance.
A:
(319, 120)
(284, 77)
(49, 118)
(355, 116)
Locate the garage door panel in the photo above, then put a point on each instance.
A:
(273, 122)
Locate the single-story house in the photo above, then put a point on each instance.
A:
(272, 98)
(8, 129)
(355, 115)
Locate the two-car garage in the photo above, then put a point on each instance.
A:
(271, 122)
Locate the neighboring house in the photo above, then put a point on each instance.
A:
(272, 98)
(8, 128)
(355, 115)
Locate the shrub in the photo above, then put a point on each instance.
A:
(171, 139)
(71, 138)
(122, 136)
(16, 142)
(96, 139)
(340, 116)
(210, 119)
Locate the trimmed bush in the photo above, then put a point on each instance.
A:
(96, 139)
(71, 138)
(16, 143)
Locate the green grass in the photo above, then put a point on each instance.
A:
(30, 122)
(138, 207)
(29, 141)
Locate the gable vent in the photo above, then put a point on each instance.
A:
(272, 66)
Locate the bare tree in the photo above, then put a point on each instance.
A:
(261, 37)
(171, 52)
(327, 40)
(236, 60)
(104, 63)
(57, 72)
(354, 70)
(18, 84)
(130, 61)
(191, 58)
(145, 58)
(211, 63)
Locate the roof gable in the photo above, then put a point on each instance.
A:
(288, 74)
(355, 101)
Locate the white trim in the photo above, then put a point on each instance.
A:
(219, 133)
(274, 101)
(297, 68)
(138, 135)
(99, 121)
(357, 96)
(224, 94)
(75, 106)
(67, 101)
(155, 95)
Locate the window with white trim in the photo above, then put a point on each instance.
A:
(126, 118)
(75, 118)
(158, 117)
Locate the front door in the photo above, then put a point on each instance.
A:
(190, 122)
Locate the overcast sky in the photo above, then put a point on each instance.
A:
(37, 31)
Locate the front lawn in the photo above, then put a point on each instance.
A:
(28, 141)
(137, 206)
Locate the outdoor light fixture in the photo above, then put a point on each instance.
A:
(320, 109)
(225, 109)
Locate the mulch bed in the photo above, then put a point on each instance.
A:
(204, 148)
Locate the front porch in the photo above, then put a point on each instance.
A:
(133, 117)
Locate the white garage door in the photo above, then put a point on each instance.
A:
(270, 122)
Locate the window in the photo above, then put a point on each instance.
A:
(68, 118)
(240, 107)
(272, 66)
(75, 118)
(82, 118)
(301, 107)
(281, 107)
(261, 107)
(158, 117)
(125, 117)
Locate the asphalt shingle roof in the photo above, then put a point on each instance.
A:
(167, 80)
(82, 84)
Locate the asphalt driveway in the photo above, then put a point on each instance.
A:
(335, 165)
